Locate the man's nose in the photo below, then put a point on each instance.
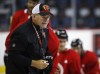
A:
(45, 19)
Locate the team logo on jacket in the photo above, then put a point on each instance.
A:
(66, 61)
(83, 65)
(46, 7)
(13, 45)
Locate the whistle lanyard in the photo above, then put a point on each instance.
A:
(40, 42)
(39, 39)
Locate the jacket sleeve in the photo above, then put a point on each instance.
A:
(17, 50)
(53, 44)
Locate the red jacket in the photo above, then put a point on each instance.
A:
(90, 63)
(20, 17)
(69, 62)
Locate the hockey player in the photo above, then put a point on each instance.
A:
(89, 60)
(69, 60)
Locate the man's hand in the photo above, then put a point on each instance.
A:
(39, 64)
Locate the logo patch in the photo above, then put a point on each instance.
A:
(13, 45)
(45, 7)
(66, 61)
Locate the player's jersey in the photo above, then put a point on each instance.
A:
(90, 63)
(19, 16)
(69, 62)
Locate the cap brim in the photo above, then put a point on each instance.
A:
(46, 13)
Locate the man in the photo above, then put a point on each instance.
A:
(29, 52)
(89, 60)
(69, 60)
(19, 18)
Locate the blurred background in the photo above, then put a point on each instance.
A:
(80, 18)
(68, 13)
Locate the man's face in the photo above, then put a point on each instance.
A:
(62, 44)
(31, 4)
(42, 21)
(77, 49)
